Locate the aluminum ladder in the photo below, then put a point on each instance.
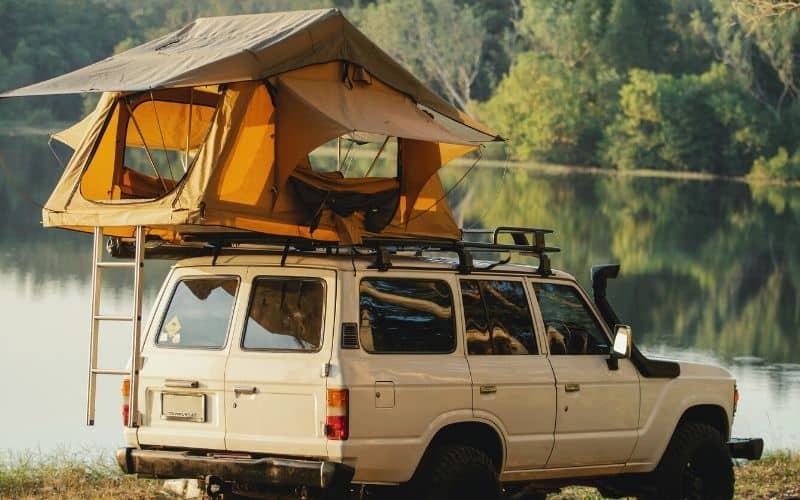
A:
(135, 318)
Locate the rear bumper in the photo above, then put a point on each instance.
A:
(275, 471)
(750, 448)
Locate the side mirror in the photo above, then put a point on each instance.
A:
(623, 339)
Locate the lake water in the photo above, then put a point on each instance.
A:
(710, 272)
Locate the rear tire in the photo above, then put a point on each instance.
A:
(696, 465)
(459, 472)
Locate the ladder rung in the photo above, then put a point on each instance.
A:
(112, 317)
(104, 371)
(127, 263)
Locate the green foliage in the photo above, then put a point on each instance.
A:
(688, 85)
(760, 51)
(692, 123)
(43, 38)
(70, 476)
(568, 31)
(412, 32)
(781, 166)
(636, 35)
(596, 34)
(551, 112)
(658, 124)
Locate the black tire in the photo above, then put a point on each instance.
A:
(460, 472)
(696, 465)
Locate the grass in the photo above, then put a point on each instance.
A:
(70, 476)
(74, 476)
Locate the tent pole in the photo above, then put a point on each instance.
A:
(188, 131)
(375, 160)
(161, 132)
(146, 149)
(338, 153)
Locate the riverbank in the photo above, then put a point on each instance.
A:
(17, 129)
(70, 477)
(561, 169)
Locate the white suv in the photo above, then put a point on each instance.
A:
(344, 371)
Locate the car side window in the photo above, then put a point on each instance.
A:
(570, 326)
(497, 317)
(406, 315)
(285, 314)
(199, 313)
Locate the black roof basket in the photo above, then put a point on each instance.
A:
(524, 240)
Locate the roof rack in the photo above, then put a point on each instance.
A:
(205, 244)
(464, 249)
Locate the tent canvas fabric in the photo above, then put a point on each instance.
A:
(218, 50)
(235, 132)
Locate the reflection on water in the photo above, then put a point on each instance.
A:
(710, 271)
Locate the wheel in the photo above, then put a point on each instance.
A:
(458, 472)
(697, 465)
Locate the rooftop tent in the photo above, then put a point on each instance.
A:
(209, 128)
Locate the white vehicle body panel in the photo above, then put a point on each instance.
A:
(205, 367)
(287, 408)
(523, 404)
(619, 421)
(425, 391)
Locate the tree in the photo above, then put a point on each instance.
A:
(637, 35)
(47, 38)
(550, 111)
(760, 49)
(595, 34)
(691, 123)
(759, 12)
(569, 31)
(439, 40)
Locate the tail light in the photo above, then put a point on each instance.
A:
(125, 390)
(337, 424)
(735, 398)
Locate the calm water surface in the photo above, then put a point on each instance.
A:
(710, 272)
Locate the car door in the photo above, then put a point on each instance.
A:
(597, 408)
(275, 385)
(512, 382)
(184, 354)
(409, 377)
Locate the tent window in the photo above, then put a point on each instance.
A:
(148, 145)
(161, 145)
(357, 156)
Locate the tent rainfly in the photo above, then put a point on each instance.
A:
(209, 129)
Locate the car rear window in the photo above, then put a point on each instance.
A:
(285, 314)
(199, 313)
(406, 316)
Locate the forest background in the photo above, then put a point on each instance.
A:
(678, 85)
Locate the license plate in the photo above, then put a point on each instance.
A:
(186, 407)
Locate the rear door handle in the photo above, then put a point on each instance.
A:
(183, 384)
(572, 387)
(488, 389)
(244, 389)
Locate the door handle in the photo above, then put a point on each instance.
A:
(183, 384)
(572, 387)
(244, 389)
(488, 389)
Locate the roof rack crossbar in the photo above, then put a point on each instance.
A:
(205, 243)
